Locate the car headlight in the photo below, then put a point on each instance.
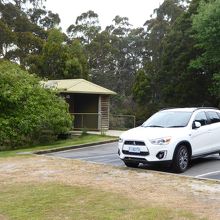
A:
(161, 141)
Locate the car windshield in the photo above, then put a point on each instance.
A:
(168, 119)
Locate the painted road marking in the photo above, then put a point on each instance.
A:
(207, 174)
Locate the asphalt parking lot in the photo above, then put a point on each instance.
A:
(208, 167)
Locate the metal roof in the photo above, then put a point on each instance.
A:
(77, 86)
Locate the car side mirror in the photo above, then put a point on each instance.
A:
(196, 124)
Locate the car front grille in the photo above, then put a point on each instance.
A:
(137, 143)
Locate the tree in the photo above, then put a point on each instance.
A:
(21, 3)
(23, 29)
(60, 60)
(28, 111)
(180, 83)
(85, 28)
(148, 83)
(158, 28)
(43, 18)
(7, 37)
(206, 25)
(141, 88)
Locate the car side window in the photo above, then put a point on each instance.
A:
(213, 117)
(201, 117)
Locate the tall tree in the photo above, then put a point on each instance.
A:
(23, 29)
(157, 28)
(180, 84)
(206, 25)
(43, 18)
(59, 60)
(85, 28)
(115, 55)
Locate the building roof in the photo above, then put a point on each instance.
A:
(77, 86)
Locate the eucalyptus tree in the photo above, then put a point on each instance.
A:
(101, 60)
(206, 26)
(7, 38)
(23, 29)
(157, 29)
(86, 27)
(181, 83)
(120, 30)
(147, 90)
(60, 60)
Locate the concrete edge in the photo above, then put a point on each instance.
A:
(73, 147)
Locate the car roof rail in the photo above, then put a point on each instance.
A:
(168, 108)
(212, 108)
(195, 108)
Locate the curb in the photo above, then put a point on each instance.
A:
(73, 147)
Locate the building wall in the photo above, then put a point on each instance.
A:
(104, 110)
(90, 111)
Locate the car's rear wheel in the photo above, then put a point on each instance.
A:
(131, 164)
(181, 159)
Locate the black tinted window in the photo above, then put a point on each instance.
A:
(201, 117)
(213, 117)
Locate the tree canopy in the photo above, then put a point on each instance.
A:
(29, 112)
(172, 60)
(206, 26)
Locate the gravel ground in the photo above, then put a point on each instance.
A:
(201, 197)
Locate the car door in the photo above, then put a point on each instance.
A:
(201, 137)
(214, 129)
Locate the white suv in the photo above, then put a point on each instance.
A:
(174, 135)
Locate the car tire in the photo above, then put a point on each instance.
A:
(181, 159)
(131, 164)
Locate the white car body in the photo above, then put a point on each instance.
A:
(159, 144)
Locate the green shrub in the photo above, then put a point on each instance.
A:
(29, 114)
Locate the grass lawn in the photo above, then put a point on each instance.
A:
(38, 187)
(75, 140)
(55, 201)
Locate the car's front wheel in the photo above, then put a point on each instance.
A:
(181, 159)
(131, 164)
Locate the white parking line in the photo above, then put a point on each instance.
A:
(207, 174)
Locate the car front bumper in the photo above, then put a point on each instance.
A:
(145, 154)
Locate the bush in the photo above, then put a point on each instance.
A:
(29, 113)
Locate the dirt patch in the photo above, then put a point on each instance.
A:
(176, 192)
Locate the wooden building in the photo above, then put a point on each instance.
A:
(88, 102)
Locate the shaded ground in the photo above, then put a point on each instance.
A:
(169, 191)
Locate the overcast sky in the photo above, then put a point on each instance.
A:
(138, 11)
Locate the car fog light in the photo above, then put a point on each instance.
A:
(160, 155)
